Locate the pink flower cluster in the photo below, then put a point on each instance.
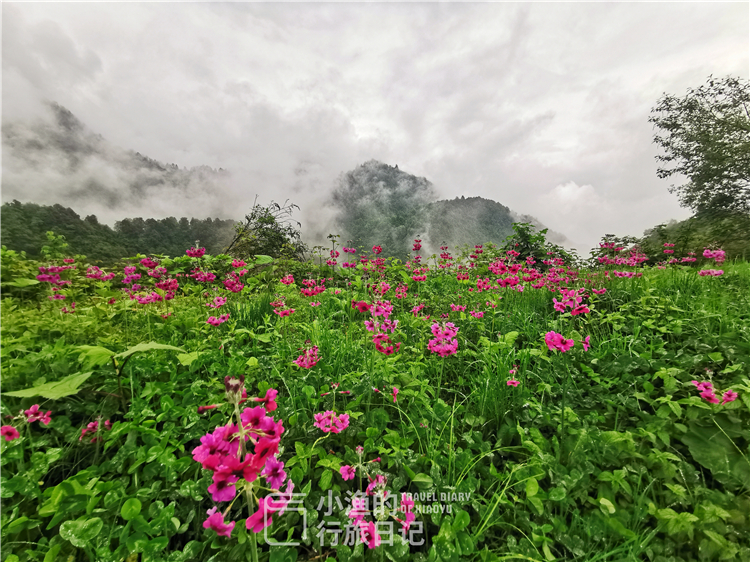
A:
(93, 427)
(196, 252)
(287, 279)
(217, 302)
(221, 453)
(711, 272)
(709, 394)
(571, 299)
(445, 342)
(312, 288)
(718, 255)
(203, 276)
(308, 359)
(34, 414)
(557, 342)
(329, 422)
(217, 321)
(94, 272)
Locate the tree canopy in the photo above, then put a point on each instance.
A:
(705, 136)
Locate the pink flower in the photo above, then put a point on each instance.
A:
(9, 432)
(347, 472)
(274, 473)
(216, 523)
(269, 400)
(709, 396)
(262, 518)
(196, 252)
(315, 303)
(557, 342)
(729, 396)
(395, 393)
(513, 382)
(308, 359)
(369, 534)
(377, 249)
(287, 279)
(328, 422)
(586, 343)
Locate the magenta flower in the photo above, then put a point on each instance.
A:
(709, 396)
(395, 393)
(369, 534)
(586, 343)
(513, 382)
(274, 473)
(557, 342)
(9, 432)
(328, 422)
(223, 490)
(347, 472)
(729, 396)
(269, 400)
(216, 523)
(308, 359)
(196, 252)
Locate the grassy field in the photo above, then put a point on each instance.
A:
(502, 411)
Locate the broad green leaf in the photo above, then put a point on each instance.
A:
(510, 338)
(53, 390)
(532, 487)
(263, 260)
(325, 480)
(716, 357)
(81, 533)
(187, 358)
(461, 521)
(710, 447)
(22, 282)
(423, 481)
(130, 509)
(606, 506)
(150, 346)
(557, 494)
(94, 355)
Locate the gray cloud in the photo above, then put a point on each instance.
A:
(533, 105)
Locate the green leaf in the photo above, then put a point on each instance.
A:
(461, 521)
(557, 494)
(130, 509)
(325, 479)
(263, 260)
(94, 355)
(53, 390)
(716, 357)
(606, 506)
(252, 363)
(423, 481)
(150, 346)
(532, 487)
(711, 447)
(510, 338)
(22, 282)
(81, 533)
(187, 358)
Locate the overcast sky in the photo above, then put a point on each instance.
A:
(541, 106)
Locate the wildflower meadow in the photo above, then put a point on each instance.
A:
(483, 403)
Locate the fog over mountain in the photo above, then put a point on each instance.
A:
(61, 160)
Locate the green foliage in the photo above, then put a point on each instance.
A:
(269, 231)
(605, 454)
(705, 136)
(25, 228)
